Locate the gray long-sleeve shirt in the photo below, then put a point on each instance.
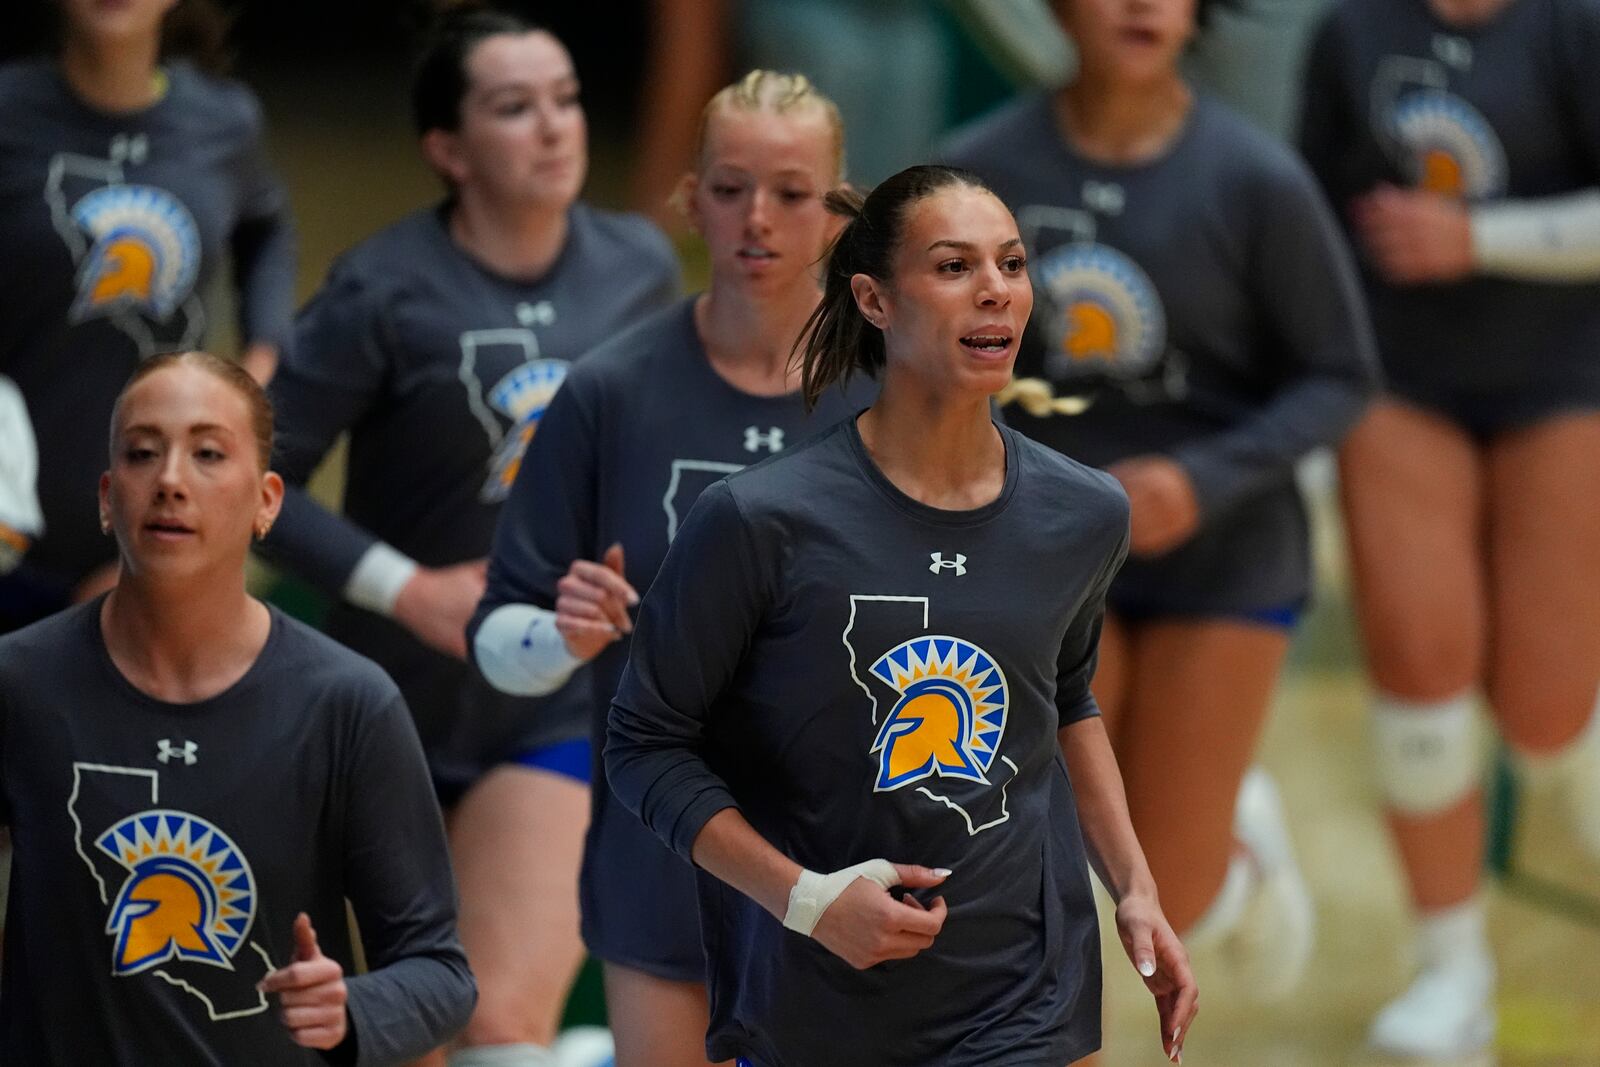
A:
(1508, 109)
(441, 370)
(1207, 301)
(164, 850)
(866, 676)
(642, 427)
(112, 227)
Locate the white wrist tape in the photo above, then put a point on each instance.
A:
(379, 576)
(19, 465)
(813, 893)
(521, 652)
(1554, 239)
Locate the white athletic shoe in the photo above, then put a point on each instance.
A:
(584, 1046)
(1446, 1014)
(1275, 936)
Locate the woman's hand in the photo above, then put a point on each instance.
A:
(1163, 963)
(1413, 236)
(437, 602)
(592, 603)
(865, 925)
(1165, 509)
(311, 992)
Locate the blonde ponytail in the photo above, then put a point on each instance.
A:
(1037, 398)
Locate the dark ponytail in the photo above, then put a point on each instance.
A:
(837, 340)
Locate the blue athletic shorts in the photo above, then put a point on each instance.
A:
(570, 759)
(1282, 617)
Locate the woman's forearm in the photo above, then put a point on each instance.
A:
(1114, 850)
(729, 848)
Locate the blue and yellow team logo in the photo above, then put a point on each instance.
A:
(1105, 316)
(521, 396)
(1448, 146)
(950, 715)
(145, 253)
(189, 894)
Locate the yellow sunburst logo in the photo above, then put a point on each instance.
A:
(950, 716)
(189, 895)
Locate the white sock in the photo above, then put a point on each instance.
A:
(522, 1055)
(1228, 906)
(1454, 936)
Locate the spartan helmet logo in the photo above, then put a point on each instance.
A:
(145, 255)
(189, 895)
(1447, 146)
(950, 716)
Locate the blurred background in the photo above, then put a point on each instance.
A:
(333, 77)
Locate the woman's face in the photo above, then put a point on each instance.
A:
(1128, 40)
(955, 307)
(523, 138)
(757, 200)
(185, 492)
(110, 22)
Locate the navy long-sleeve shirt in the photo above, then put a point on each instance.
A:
(113, 226)
(866, 676)
(162, 852)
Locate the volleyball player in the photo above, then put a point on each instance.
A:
(1196, 293)
(196, 784)
(858, 696)
(642, 427)
(1462, 138)
(437, 343)
(129, 174)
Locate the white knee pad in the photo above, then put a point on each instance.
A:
(1428, 754)
(502, 1056)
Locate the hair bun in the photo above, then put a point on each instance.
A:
(845, 200)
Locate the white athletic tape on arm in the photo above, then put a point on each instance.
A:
(376, 582)
(19, 464)
(521, 652)
(1554, 239)
(813, 893)
(1427, 754)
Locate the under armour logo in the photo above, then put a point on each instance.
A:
(1104, 197)
(130, 148)
(1453, 51)
(541, 314)
(959, 564)
(166, 751)
(755, 440)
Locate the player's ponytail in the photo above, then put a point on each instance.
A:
(837, 340)
(1038, 398)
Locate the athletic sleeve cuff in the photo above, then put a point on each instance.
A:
(378, 577)
(520, 651)
(695, 815)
